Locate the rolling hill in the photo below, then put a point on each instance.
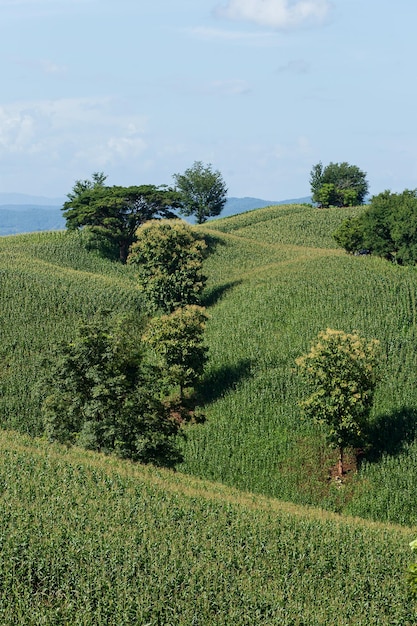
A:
(251, 529)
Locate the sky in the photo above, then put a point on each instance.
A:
(259, 89)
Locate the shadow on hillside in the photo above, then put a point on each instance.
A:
(212, 242)
(389, 433)
(213, 295)
(218, 382)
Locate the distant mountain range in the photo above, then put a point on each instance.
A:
(20, 213)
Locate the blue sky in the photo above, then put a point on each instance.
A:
(261, 89)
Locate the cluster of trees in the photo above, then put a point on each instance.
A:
(112, 215)
(338, 184)
(110, 388)
(100, 392)
(387, 228)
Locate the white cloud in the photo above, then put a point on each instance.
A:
(280, 14)
(93, 129)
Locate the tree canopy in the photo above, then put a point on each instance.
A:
(113, 214)
(341, 370)
(386, 228)
(100, 393)
(203, 191)
(169, 256)
(338, 184)
(177, 340)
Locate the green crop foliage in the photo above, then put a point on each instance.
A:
(275, 279)
(89, 540)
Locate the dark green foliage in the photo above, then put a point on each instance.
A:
(100, 395)
(388, 228)
(349, 235)
(169, 257)
(203, 191)
(113, 214)
(80, 186)
(338, 184)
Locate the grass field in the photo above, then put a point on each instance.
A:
(90, 540)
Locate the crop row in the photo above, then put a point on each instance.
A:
(88, 540)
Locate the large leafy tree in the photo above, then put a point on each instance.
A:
(169, 257)
(387, 228)
(100, 394)
(203, 191)
(113, 214)
(341, 371)
(338, 184)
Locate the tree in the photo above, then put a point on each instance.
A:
(169, 256)
(349, 235)
(203, 191)
(338, 184)
(113, 214)
(387, 228)
(100, 394)
(341, 369)
(177, 340)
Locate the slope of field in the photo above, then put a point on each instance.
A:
(275, 281)
(48, 282)
(87, 540)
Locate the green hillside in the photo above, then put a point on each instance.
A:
(91, 540)
(276, 282)
(88, 540)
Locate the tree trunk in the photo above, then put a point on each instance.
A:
(123, 251)
(340, 462)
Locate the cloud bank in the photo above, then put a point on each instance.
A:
(279, 14)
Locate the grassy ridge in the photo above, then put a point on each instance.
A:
(91, 540)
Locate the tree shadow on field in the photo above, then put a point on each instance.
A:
(216, 383)
(389, 433)
(212, 242)
(213, 295)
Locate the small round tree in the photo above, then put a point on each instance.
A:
(177, 340)
(338, 184)
(341, 370)
(203, 191)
